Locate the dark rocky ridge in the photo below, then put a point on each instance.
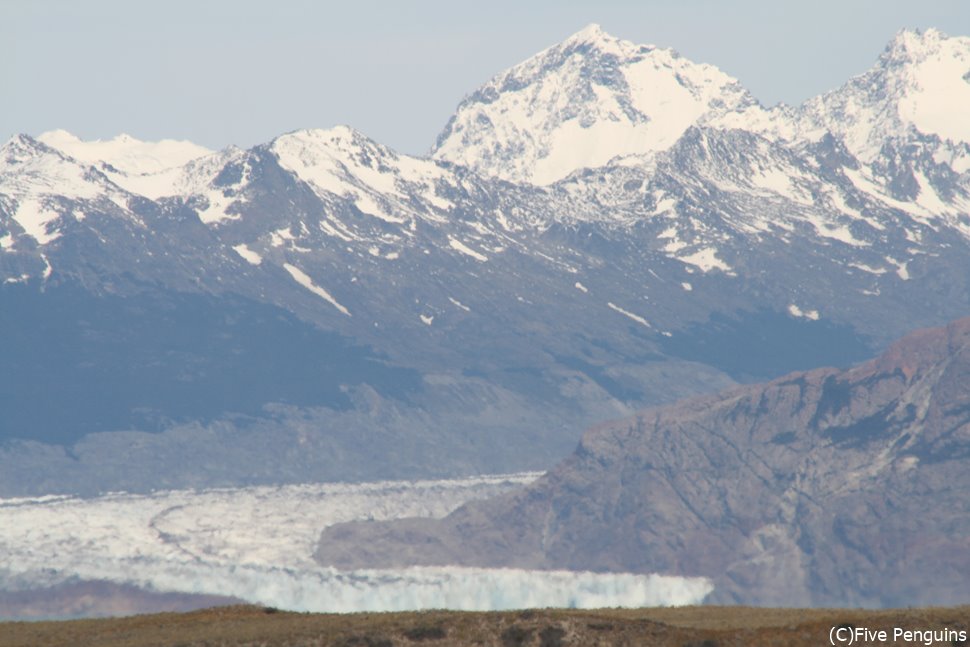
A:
(820, 488)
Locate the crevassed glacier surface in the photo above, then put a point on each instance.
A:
(256, 543)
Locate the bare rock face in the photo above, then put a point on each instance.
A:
(820, 488)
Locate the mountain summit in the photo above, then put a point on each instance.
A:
(580, 104)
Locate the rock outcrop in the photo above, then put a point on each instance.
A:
(825, 487)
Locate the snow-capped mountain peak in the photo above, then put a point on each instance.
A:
(18, 149)
(125, 153)
(934, 79)
(44, 195)
(330, 150)
(914, 44)
(344, 162)
(920, 85)
(30, 168)
(581, 103)
(593, 35)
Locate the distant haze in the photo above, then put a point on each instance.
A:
(242, 72)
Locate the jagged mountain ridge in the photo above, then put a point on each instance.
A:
(825, 488)
(649, 278)
(593, 98)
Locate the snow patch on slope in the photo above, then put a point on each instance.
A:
(705, 260)
(36, 220)
(626, 313)
(466, 250)
(247, 254)
(303, 279)
(795, 311)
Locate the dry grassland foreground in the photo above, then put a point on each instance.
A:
(672, 627)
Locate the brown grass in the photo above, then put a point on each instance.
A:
(680, 627)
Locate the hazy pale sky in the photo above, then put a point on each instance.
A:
(241, 72)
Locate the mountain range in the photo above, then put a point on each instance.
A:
(603, 227)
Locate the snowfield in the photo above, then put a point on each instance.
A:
(256, 544)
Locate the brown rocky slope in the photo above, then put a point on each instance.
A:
(820, 488)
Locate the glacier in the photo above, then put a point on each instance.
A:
(255, 543)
